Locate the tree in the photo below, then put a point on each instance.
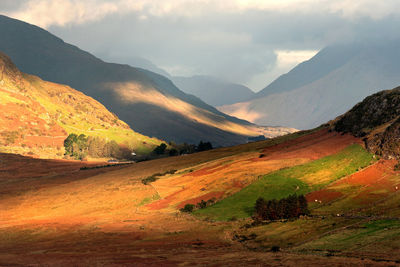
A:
(303, 205)
(82, 142)
(203, 146)
(290, 207)
(187, 208)
(173, 152)
(68, 143)
(159, 150)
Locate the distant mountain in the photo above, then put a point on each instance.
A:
(212, 90)
(137, 62)
(325, 86)
(36, 116)
(150, 103)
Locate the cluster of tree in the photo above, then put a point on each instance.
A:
(201, 205)
(203, 146)
(180, 149)
(82, 146)
(287, 208)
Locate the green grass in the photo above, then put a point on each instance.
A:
(364, 237)
(300, 179)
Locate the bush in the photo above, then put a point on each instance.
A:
(173, 152)
(159, 150)
(275, 248)
(203, 146)
(188, 208)
(397, 166)
(150, 179)
(202, 204)
(155, 177)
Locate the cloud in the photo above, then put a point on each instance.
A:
(244, 41)
(290, 58)
(46, 13)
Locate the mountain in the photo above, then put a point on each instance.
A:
(148, 102)
(137, 62)
(377, 120)
(36, 116)
(325, 86)
(212, 90)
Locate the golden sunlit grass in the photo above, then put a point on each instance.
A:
(115, 212)
(39, 115)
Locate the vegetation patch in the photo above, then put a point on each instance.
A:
(379, 233)
(156, 176)
(104, 166)
(298, 180)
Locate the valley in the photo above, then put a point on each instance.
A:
(199, 133)
(108, 216)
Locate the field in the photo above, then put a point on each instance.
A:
(54, 213)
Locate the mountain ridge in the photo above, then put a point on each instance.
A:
(38, 52)
(357, 71)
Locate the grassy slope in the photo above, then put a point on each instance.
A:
(299, 179)
(49, 112)
(114, 196)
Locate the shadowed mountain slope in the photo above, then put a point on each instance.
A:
(212, 90)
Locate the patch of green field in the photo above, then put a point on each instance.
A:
(287, 234)
(300, 179)
(365, 237)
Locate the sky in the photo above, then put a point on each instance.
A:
(251, 42)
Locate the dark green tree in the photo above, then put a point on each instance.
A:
(68, 143)
(159, 150)
(203, 146)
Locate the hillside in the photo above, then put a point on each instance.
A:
(212, 90)
(36, 116)
(148, 102)
(118, 219)
(377, 120)
(325, 86)
(126, 214)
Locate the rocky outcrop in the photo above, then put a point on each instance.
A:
(377, 120)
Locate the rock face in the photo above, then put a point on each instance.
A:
(377, 119)
(387, 143)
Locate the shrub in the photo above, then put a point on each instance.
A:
(150, 179)
(173, 152)
(155, 177)
(397, 166)
(203, 146)
(275, 248)
(159, 150)
(202, 204)
(188, 208)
